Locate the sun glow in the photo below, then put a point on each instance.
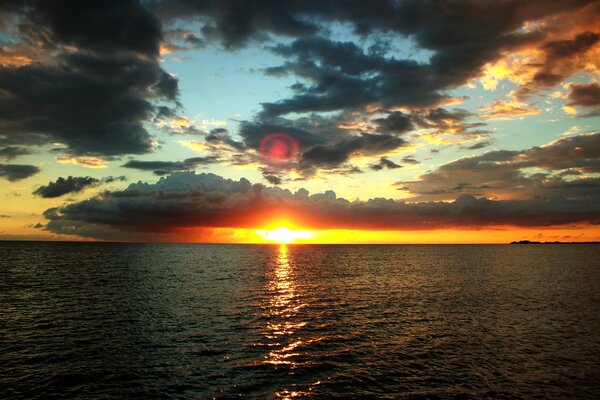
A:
(284, 235)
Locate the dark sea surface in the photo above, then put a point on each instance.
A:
(186, 321)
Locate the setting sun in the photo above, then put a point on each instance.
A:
(284, 235)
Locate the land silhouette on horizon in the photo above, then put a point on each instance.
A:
(555, 242)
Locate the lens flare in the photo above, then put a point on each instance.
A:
(279, 148)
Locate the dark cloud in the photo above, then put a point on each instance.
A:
(17, 172)
(104, 26)
(566, 48)
(183, 200)
(463, 36)
(72, 184)
(339, 152)
(395, 123)
(479, 145)
(10, 152)
(112, 49)
(164, 113)
(62, 186)
(322, 143)
(410, 160)
(272, 179)
(384, 163)
(302, 131)
(166, 167)
(587, 95)
(112, 179)
(93, 82)
(234, 23)
(503, 174)
(220, 136)
(95, 76)
(56, 102)
(193, 40)
(345, 77)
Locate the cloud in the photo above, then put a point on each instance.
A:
(11, 152)
(384, 163)
(63, 186)
(410, 160)
(179, 39)
(586, 95)
(506, 174)
(329, 144)
(454, 42)
(272, 179)
(395, 123)
(324, 143)
(463, 37)
(561, 58)
(186, 200)
(166, 167)
(104, 26)
(175, 124)
(17, 172)
(220, 137)
(302, 131)
(236, 23)
(507, 110)
(86, 162)
(449, 127)
(95, 80)
(479, 145)
(59, 53)
(445, 121)
(343, 76)
(353, 98)
(340, 152)
(72, 184)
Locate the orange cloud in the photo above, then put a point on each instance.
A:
(506, 110)
(86, 162)
(561, 45)
(14, 60)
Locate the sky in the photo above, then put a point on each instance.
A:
(355, 121)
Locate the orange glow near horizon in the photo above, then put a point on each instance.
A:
(288, 229)
(283, 235)
(281, 232)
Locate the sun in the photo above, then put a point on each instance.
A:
(284, 234)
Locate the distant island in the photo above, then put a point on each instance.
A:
(556, 242)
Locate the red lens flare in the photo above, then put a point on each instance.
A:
(279, 148)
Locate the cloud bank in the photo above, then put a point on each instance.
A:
(489, 190)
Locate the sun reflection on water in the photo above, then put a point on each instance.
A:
(285, 321)
(283, 306)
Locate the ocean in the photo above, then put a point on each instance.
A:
(194, 321)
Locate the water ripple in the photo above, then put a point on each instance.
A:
(102, 321)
